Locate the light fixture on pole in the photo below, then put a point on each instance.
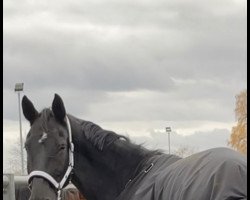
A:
(168, 130)
(18, 89)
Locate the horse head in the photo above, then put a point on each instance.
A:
(48, 147)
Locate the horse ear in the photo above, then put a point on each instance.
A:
(29, 110)
(58, 108)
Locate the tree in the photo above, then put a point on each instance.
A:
(14, 162)
(184, 151)
(238, 138)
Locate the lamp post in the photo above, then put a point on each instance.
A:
(18, 89)
(168, 130)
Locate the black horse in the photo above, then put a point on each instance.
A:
(106, 166)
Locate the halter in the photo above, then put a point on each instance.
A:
(48, 177)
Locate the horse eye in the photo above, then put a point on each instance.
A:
(62, 147)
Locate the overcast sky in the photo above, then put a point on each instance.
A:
(130, 66)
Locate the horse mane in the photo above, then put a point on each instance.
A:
(99, 137)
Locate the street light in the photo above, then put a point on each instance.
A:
(168, 130)
(18, 89)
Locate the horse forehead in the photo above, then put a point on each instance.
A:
(42, 131)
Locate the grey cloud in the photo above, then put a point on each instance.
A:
(92, 52)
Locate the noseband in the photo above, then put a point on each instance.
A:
(48, 177)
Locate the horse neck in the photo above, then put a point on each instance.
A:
(102, 175)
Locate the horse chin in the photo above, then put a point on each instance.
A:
(41, 189)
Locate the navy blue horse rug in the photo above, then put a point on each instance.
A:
(207, 175)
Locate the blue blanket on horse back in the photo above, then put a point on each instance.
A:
(215, 174)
